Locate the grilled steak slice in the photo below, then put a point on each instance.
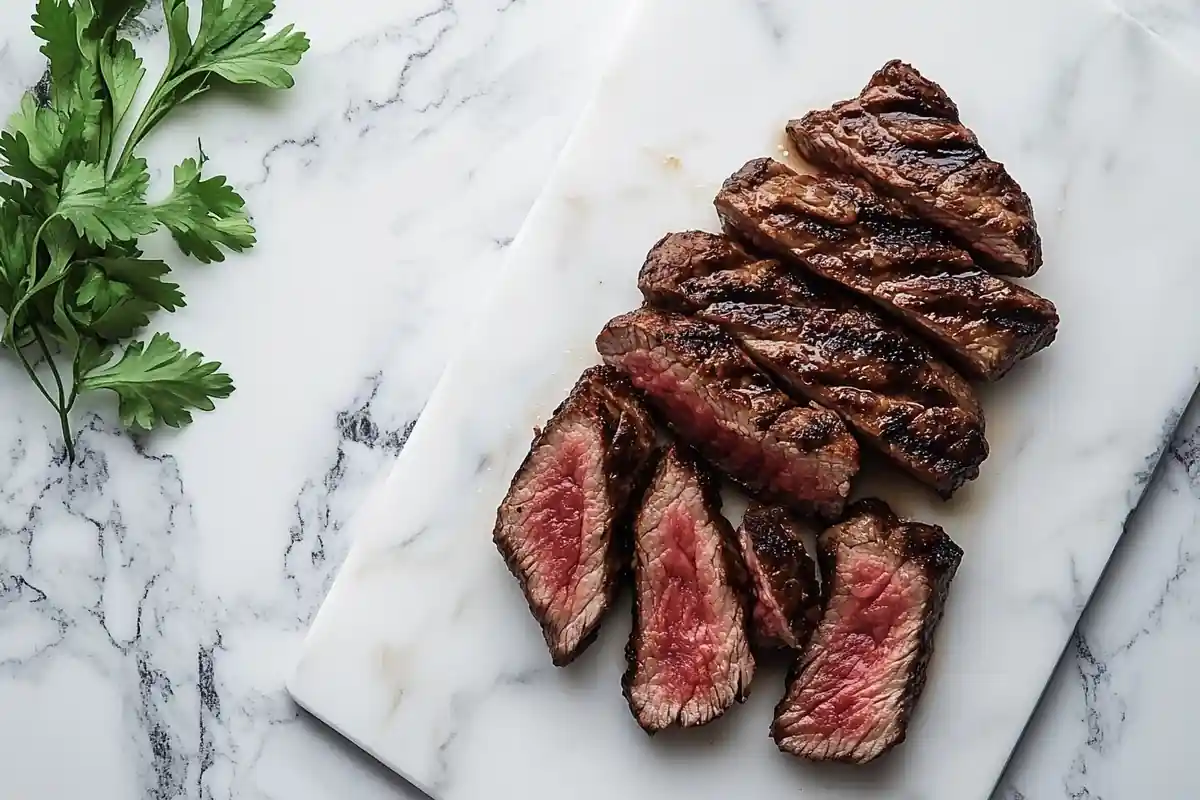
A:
(718, 401)
(888, 387)
(840, 229)
(783, 579)
(823, 345)
(903, 134)
(680, 258)
(852, 692)
(689, 659)
(563, 526)
(688, 271)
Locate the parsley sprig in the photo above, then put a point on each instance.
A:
(73, 283)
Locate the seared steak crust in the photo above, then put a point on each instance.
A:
(889, 388)
(852, 692)
(563, 526)
(904, 135)
(783, 578)
(689, 659)
(715, 398)
(680, 257)
(827, 347)
(840, 229)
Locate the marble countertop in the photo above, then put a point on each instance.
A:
(153, 598)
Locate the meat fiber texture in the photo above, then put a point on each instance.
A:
(689, 658)
(824, 345)
(841, 230)
(852, 692)
(716, 400)
(563, 527)
(904, 135)
(782, 578)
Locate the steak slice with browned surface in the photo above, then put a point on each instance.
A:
(679, 258)
(889, 388)
(852, 692)
(783, 578)
(904, 135)
(688, 271)
(714, 397)
(843, 231)
(563, 527)
(826, 346)
(689, 659)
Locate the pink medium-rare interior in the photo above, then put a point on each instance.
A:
(681, 635)
(863, 650)
(697, 420)
(769, 618)
(562, 518)
(692, 656)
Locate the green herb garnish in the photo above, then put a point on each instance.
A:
(73, 282)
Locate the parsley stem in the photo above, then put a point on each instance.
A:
(61, 406)
(31, 277)
(32, 372)
(150, 114)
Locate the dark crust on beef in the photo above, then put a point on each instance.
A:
(604, 397)
(679, 257)
(904, 135)
(781, 576)
(801, 456)
(938, 557)
(843, 231)
(681, 458)
(830, 348)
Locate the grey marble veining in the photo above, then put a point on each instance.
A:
(1115, 719)
(153, 598)
(1075, 434)
(1175, 22)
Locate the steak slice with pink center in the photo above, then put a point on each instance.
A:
(563, 527)
(783, 578)
(716, 400)
(689, 659)
(852, 692)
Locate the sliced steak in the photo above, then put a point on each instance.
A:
(904, 135)
(852, 692)
(841, 230)
(783, 578)
(715, 398)
(689, 659)
(563, 526)
(679, 258)
(889, 388)
(689, 271)
(826, 346)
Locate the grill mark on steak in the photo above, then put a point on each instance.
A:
(783, 578)
(920, 414)
(823, 345)
(687, 271)
(563, 527)
(903, 134)
(681, 257)
(689, 659)
(715, 399)
(851, 694)
(840, 229)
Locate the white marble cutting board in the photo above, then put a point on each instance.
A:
(424, 653)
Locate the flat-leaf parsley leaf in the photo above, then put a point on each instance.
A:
(74, 285)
